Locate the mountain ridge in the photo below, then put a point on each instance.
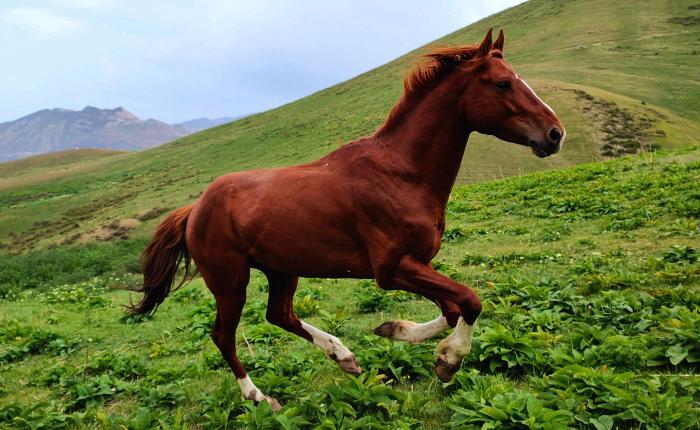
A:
(60, 129)
(57, 129)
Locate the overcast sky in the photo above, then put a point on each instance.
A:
(176, 60)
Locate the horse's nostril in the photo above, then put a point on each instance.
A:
(555, 135)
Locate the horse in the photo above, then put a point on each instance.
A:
(374, 208)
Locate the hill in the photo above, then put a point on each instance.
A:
(44, 167)
(590, 281)
(622, 76)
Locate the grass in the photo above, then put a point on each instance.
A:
(623, 75)
(53, 160)
(591, 287)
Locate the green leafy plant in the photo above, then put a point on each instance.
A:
(365, 395)
(397, 360)
(370, 298)
(306, 306)
(21, 342)
(501, 349)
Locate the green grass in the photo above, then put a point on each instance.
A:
(591, 287)
(639, 55)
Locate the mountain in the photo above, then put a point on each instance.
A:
(199, 124)
(621, 75)
(51, 130)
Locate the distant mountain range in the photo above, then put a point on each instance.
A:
(50, 130)
(199, 124)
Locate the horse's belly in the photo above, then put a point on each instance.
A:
(313, 258)
(307, 241)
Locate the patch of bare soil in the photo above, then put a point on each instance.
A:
(621, 131)
(150, 214)
(68, 223)
(117, 229)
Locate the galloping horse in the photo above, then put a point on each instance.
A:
(374, 208)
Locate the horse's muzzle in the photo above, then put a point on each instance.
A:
(544, 150)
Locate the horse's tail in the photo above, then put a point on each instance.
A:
(160, 261)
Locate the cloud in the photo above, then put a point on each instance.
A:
(39, 21)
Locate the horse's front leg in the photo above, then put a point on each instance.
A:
(414, 332)
(419, 278)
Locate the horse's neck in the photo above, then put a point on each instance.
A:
(430, 139)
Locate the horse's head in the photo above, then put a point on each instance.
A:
(497, 101)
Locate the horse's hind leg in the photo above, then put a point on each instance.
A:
(280, 312)
(413, 332)
(228, 284)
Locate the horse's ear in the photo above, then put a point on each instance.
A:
(498, 44)
(485, 46)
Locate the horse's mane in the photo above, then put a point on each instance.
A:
(437, 64)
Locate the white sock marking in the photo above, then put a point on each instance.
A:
(249, 390)
(459, 343)
(330, 344)
(416, 332)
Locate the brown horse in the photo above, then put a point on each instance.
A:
(375, 208)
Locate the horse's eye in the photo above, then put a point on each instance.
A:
(503, 85)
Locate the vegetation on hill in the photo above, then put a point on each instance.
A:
(623, 77)
(591, 287)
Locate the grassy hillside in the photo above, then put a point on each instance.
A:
(622, 76)
(591, 287)
(42, 168)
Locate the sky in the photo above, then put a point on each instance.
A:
(177, 60)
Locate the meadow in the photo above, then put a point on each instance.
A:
(591, 287)
(586, 262)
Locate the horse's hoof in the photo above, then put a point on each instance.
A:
(349, 365)
(274, 404)
(387, 329)
(444, 370)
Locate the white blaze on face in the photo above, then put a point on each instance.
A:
(535, 94)
(543, 103)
